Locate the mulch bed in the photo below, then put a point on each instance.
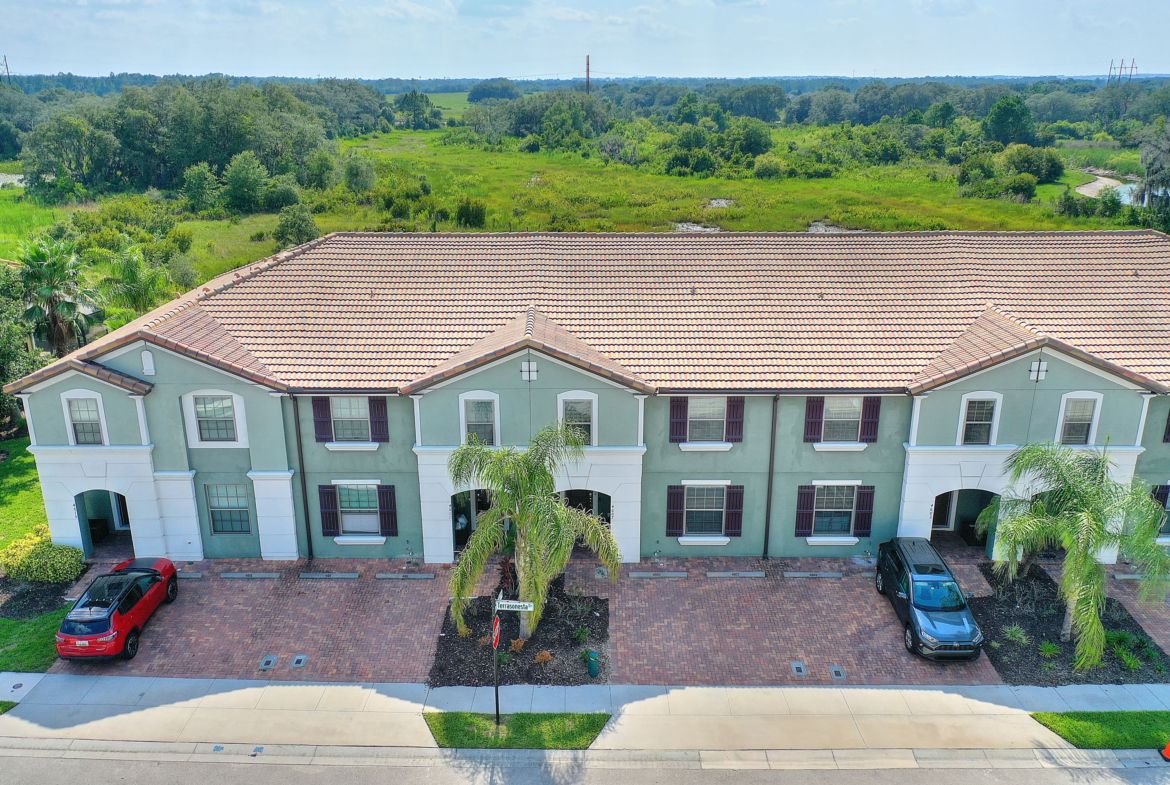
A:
(24, 600)
(467, 661)
(1031, 602)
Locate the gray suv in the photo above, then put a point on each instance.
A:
(937, 623)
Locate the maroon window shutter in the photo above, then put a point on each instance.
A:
(733, 517)
(1161, 493)
(814, 418)
(871, 409)
(733, 429)
(676, 509)
(387, 511)
(1166, 435)
(322, 420)
(379, 422)
(330, 522)
(806, 499)
(863, 513)
(678, 420)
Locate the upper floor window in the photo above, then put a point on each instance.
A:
(351, 419)
(228, 508)
(846, 421)
(977, 422)
(579, 414)
(705, 419)
(1077, 422)
(842, 420)
(481, 420)
(86, 421)
(216, 417)
(706, 422)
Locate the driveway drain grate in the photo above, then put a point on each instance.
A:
(658, 575)
(751, 574)
(250, 575)
(327, 576)
(404, 576)
(300, 660)
(798, 668)
(813, 575)
(837, 672)
(269, 662)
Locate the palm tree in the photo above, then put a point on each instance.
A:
(524, 501)
(58, 302)
(134, 283)
(1087, 513)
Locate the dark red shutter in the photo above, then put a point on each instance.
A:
(678, 420)
(806, 499)
(322, 420)
(1160, 493)
(814, 418)
(379, 422)
(871, 410)
(733, 516)
(1166, 434)
(387, 511)
(330, 522)
(863, 513)
(733, 430)
(676, 509)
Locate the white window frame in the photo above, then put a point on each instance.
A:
(578, 395)
(349, 536)
(192, 422)
(479, 395)
(860, 418)
(723, 523)
(721, 441)
(852, 511)
(333, 421)
(981, 395)
(77, 395)
(247, 508)
(1079, 395)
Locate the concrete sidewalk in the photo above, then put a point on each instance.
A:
(216, 711)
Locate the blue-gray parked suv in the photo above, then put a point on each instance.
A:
(937, 624)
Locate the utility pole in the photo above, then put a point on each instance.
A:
(6, 71)
(586, 73)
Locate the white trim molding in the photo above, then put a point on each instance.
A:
(147, 363)
(276, 520)
(705, 446)
(641, 399)
(356, 482)
(416, 399)
(839, 446)
(915, 414)
(725, 483)
(981, 395)
(703, 539)
(78, 395)
(32, 434)
(351, 446)
(827, 540)
(192, 423)
(1080, 395)
(479, 395)
(1141, 430)
(837, 482)
(359, 539)
(579, 395)
(140, 407)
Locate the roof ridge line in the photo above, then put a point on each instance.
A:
(530, 324)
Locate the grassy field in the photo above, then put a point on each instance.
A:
(1117, 730)
(29, 645)
(1046, 193)
(452, 104)
(21, 506)
(1115, 159)
(464, 730)
(10, 167)
(18, 218)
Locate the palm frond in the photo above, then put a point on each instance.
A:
(487, 539)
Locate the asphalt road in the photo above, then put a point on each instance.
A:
(40, 771)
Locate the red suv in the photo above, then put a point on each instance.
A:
(108, 619)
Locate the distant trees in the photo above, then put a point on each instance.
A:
(295, 226)
(1045, 164)
(243, 182)
(200, 186)
(1009, 121)
(15, 358)
(471, 213)
(359, 173)
(493, 88)
(418, 110)
(940, 115)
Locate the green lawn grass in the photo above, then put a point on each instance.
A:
(21, 505)
(465, 730)
(6, 705)
(11, 167)
(452, 104)
(1117, 730)
(29, 645)
(19, 217)
(1071, 178)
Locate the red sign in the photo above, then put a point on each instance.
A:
(496, 633)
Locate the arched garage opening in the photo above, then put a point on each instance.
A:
(466, 507)
(104, 519)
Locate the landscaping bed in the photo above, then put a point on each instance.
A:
(1021, 623)
(467, 660)
(464, 730)
(26, 599)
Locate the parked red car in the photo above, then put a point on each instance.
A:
(108, 619)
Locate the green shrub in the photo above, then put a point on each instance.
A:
(34, 557)
(471, 213)
(768, 167)
(1049, 650)
(1016, 634)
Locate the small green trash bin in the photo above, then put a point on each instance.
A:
(594, 664)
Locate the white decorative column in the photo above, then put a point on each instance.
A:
(616, 472)
(178, 516)
(435, 491)
(276, 520)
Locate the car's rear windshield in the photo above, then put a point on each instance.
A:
(82, 628)
(938, 596)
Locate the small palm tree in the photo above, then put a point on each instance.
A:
(134, 283)
(1085, 512)
(58, 302)
(524, 500)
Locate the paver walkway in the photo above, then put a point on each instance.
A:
(215, 711)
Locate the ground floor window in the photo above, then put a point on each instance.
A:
(833, 509)
(358, 505)
(228, 506)
(705, 506)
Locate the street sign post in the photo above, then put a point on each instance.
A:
(503, 605)
(514, 605)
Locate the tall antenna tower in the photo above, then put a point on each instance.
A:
(6, 71)
(586, 73)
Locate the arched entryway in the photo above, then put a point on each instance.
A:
(958, 512)
(593, 502)
(104, 518)
(466, 507)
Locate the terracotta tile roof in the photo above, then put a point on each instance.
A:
(532, 329)
(681, 312)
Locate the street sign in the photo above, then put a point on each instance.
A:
(496, 633)
(514, 605)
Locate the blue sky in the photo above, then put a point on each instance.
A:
(526, 38)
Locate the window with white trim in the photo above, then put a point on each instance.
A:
(216, 418)
(351, 419)
(706, 506)
(833, 509)
(1078, 420)
(480, 417)
(977, 421)
(706, 419)
(842, 419)
(358, 505)
(228, 509)
(579, 414)
(86, 422)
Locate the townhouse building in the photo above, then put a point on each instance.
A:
(741, 394)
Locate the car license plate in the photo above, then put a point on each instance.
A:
(83, 643)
